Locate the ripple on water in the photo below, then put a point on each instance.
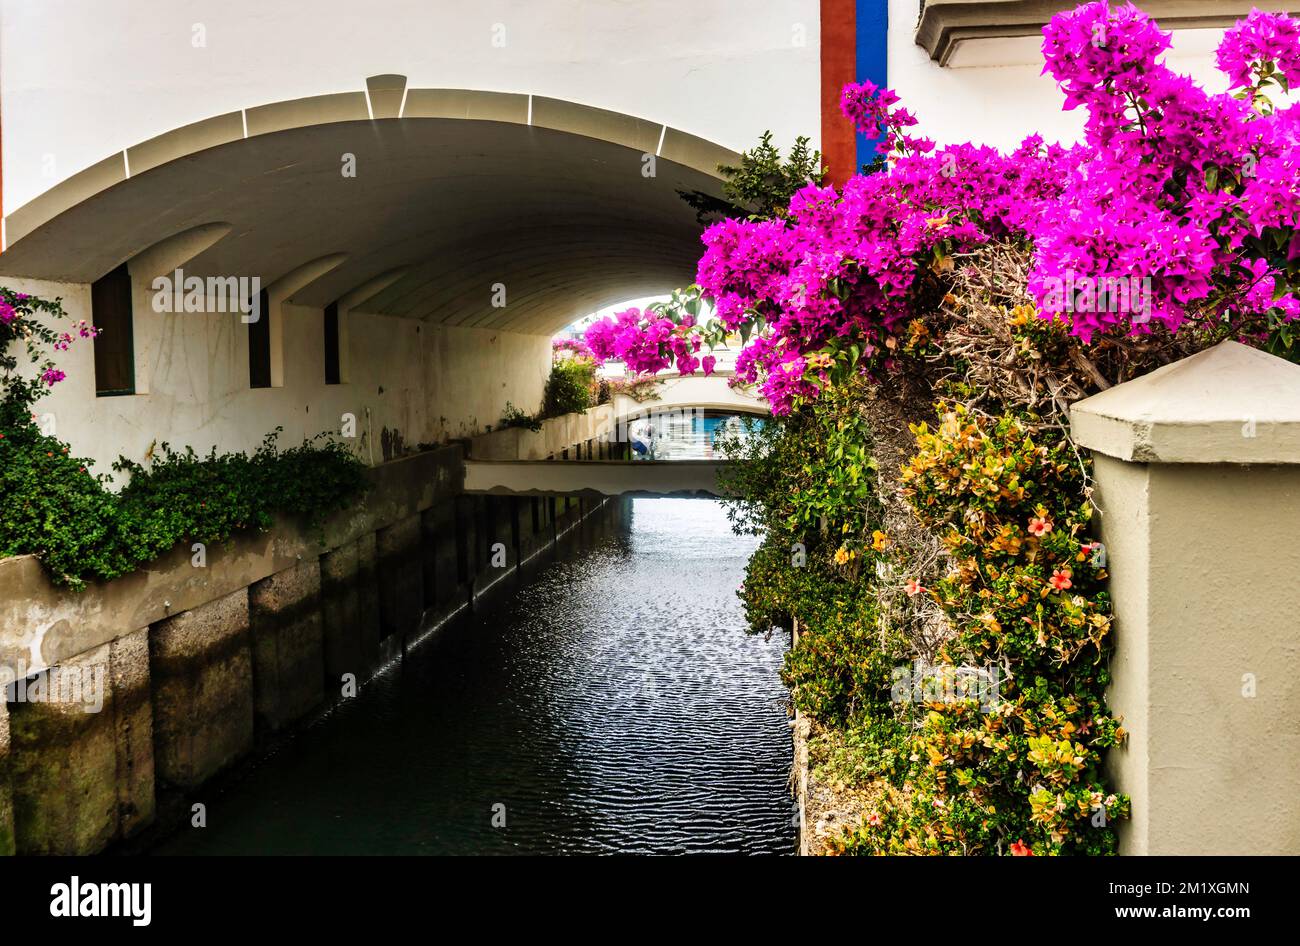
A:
(616, 705)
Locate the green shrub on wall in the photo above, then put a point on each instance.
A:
(54, 507)
(570, 387)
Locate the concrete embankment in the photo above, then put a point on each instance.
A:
(138, 691)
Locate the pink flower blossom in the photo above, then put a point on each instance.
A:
(1260, 38)
(1177, 203)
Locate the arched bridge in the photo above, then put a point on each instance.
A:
(589, 456)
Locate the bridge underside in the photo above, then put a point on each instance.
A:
(593, 477)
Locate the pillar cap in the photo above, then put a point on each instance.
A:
(1227, 404)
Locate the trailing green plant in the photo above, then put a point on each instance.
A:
(52, 505)
(514, 417)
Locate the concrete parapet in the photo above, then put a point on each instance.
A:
(1197, 473)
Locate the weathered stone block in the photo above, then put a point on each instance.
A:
(368, 622)
(441, 570)
(64, 760)
(401, 580)
(341, 617)
(202, 668)
(500, 546)
(133, 730)
(469, 512)
(288, 658)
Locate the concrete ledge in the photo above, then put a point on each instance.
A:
(187, 139)
(1228, 404)
(945, 24)
(698, 153)
(467, 104)
(626, 130)
(594, 477)
(313, 110)
(557, 434)
(81, 186)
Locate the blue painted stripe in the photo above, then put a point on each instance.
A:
(872, 59)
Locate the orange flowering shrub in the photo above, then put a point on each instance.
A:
(1025, 599)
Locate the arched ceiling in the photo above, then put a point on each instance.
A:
(464, 191)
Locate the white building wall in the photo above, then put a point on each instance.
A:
(82, 79)
(423, 382)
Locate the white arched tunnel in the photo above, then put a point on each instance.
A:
(430, 203)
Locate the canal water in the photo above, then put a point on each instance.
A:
(613, 704)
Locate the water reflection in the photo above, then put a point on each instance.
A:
(615, 705)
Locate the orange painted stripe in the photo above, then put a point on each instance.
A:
(838, 68)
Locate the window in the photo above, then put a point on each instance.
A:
(259, 344)
(110, 312)
(332, 343)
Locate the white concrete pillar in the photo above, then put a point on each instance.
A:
(1197, 475)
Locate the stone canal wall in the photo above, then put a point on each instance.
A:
(132, 693)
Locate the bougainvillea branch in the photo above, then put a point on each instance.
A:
(24, 320)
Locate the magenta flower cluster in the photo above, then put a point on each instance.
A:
(1257, 41)
(16, 323)
(648, 342)
(875, 112)
(82, 329)
(1178, 205)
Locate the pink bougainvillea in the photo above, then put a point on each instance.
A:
(577, 347)
(1178, 205)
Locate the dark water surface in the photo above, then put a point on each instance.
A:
(612, 704)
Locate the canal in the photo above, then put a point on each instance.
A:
(611, 704)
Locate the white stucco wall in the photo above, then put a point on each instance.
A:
(82, 79)
(992, 91)
(425, 382)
